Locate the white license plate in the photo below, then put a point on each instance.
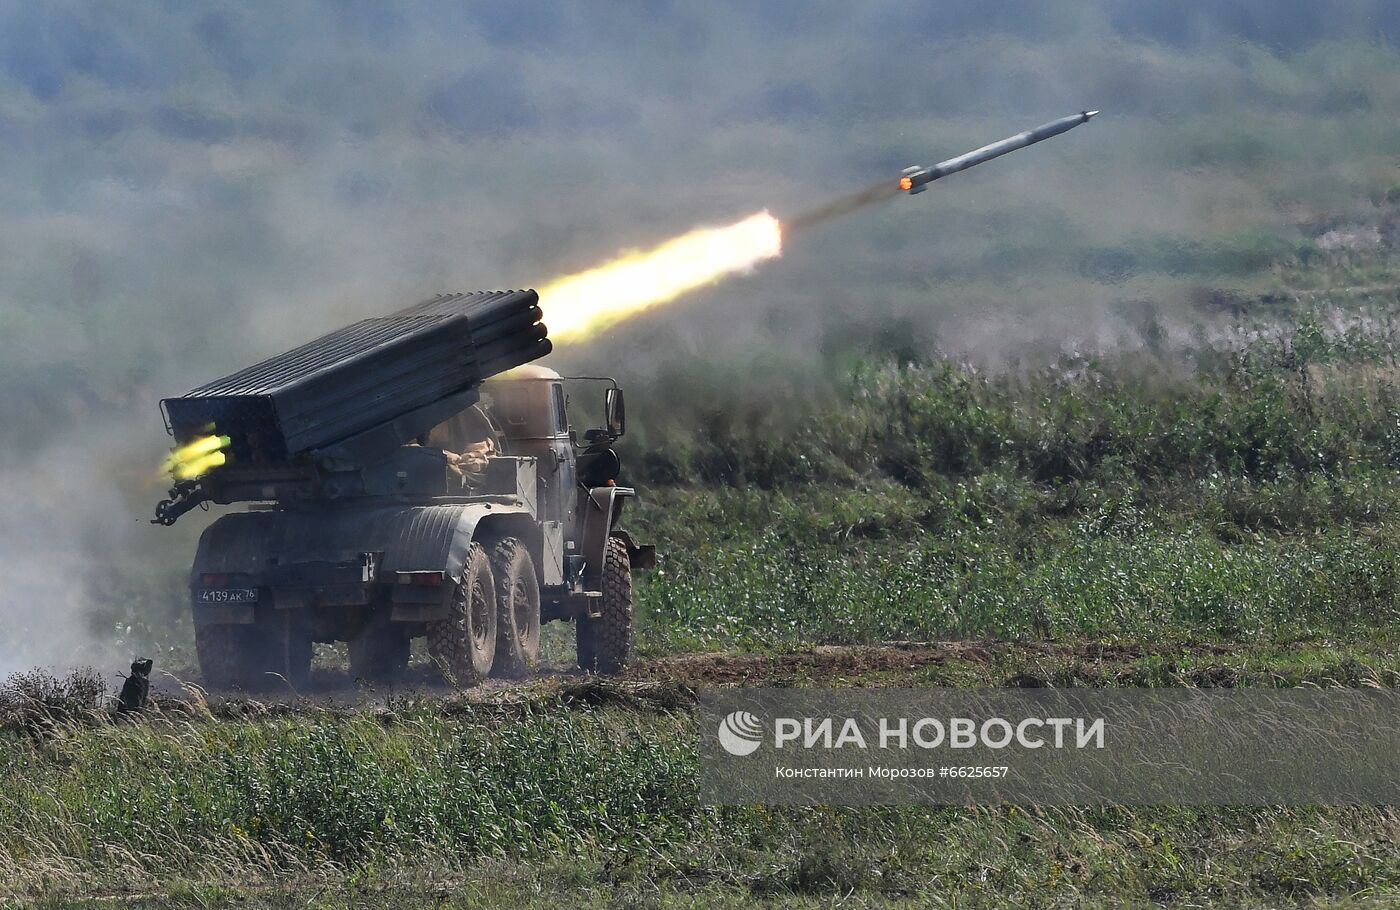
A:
(228, 596)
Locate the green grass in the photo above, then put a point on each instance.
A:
(1251, 497)
(553, 799)
(1113, 570)
(1211, 501)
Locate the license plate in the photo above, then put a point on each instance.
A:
(228, 596)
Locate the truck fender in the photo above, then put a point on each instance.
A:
(600, 507)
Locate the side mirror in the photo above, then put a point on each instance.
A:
(615, 412)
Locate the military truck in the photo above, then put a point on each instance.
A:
(408, 476)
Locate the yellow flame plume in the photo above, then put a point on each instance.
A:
(199, 457)
(576, 306)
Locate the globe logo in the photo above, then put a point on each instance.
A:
(740, 733)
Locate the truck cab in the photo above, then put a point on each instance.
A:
(531, 409)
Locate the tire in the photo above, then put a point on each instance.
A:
(605, 643)
(223, 654)
(464, 645)
(517, 608)
(379, 654)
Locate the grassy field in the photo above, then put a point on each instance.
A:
(1213, 511)
(1249, 497)
(582, 795)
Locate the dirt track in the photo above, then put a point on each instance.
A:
(949, 663)
(887, 663)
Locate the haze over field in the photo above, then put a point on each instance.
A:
(189, 186)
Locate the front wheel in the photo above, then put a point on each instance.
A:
(605, 642)
(464, 644)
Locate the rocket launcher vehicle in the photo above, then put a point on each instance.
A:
(314, 421)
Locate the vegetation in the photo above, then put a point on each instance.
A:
(1234, 493)
(583, 795)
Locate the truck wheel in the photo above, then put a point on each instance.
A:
(605, 643)
(517, 607)
(223, 654)
(464, 644)
(379, 653)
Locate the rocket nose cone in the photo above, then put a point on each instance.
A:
(1090, 115)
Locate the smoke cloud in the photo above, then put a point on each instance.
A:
(188, 187)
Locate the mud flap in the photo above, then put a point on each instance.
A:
(224, 614)
(410, 603)
(641, 556)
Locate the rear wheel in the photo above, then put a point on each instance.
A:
(380, 653)
(464, 644)
(605, 643)
(517, 608)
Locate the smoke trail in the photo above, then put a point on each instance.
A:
(843, 205)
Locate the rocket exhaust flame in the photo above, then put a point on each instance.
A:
(582, 304)
(199, 466)
(196, 458)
